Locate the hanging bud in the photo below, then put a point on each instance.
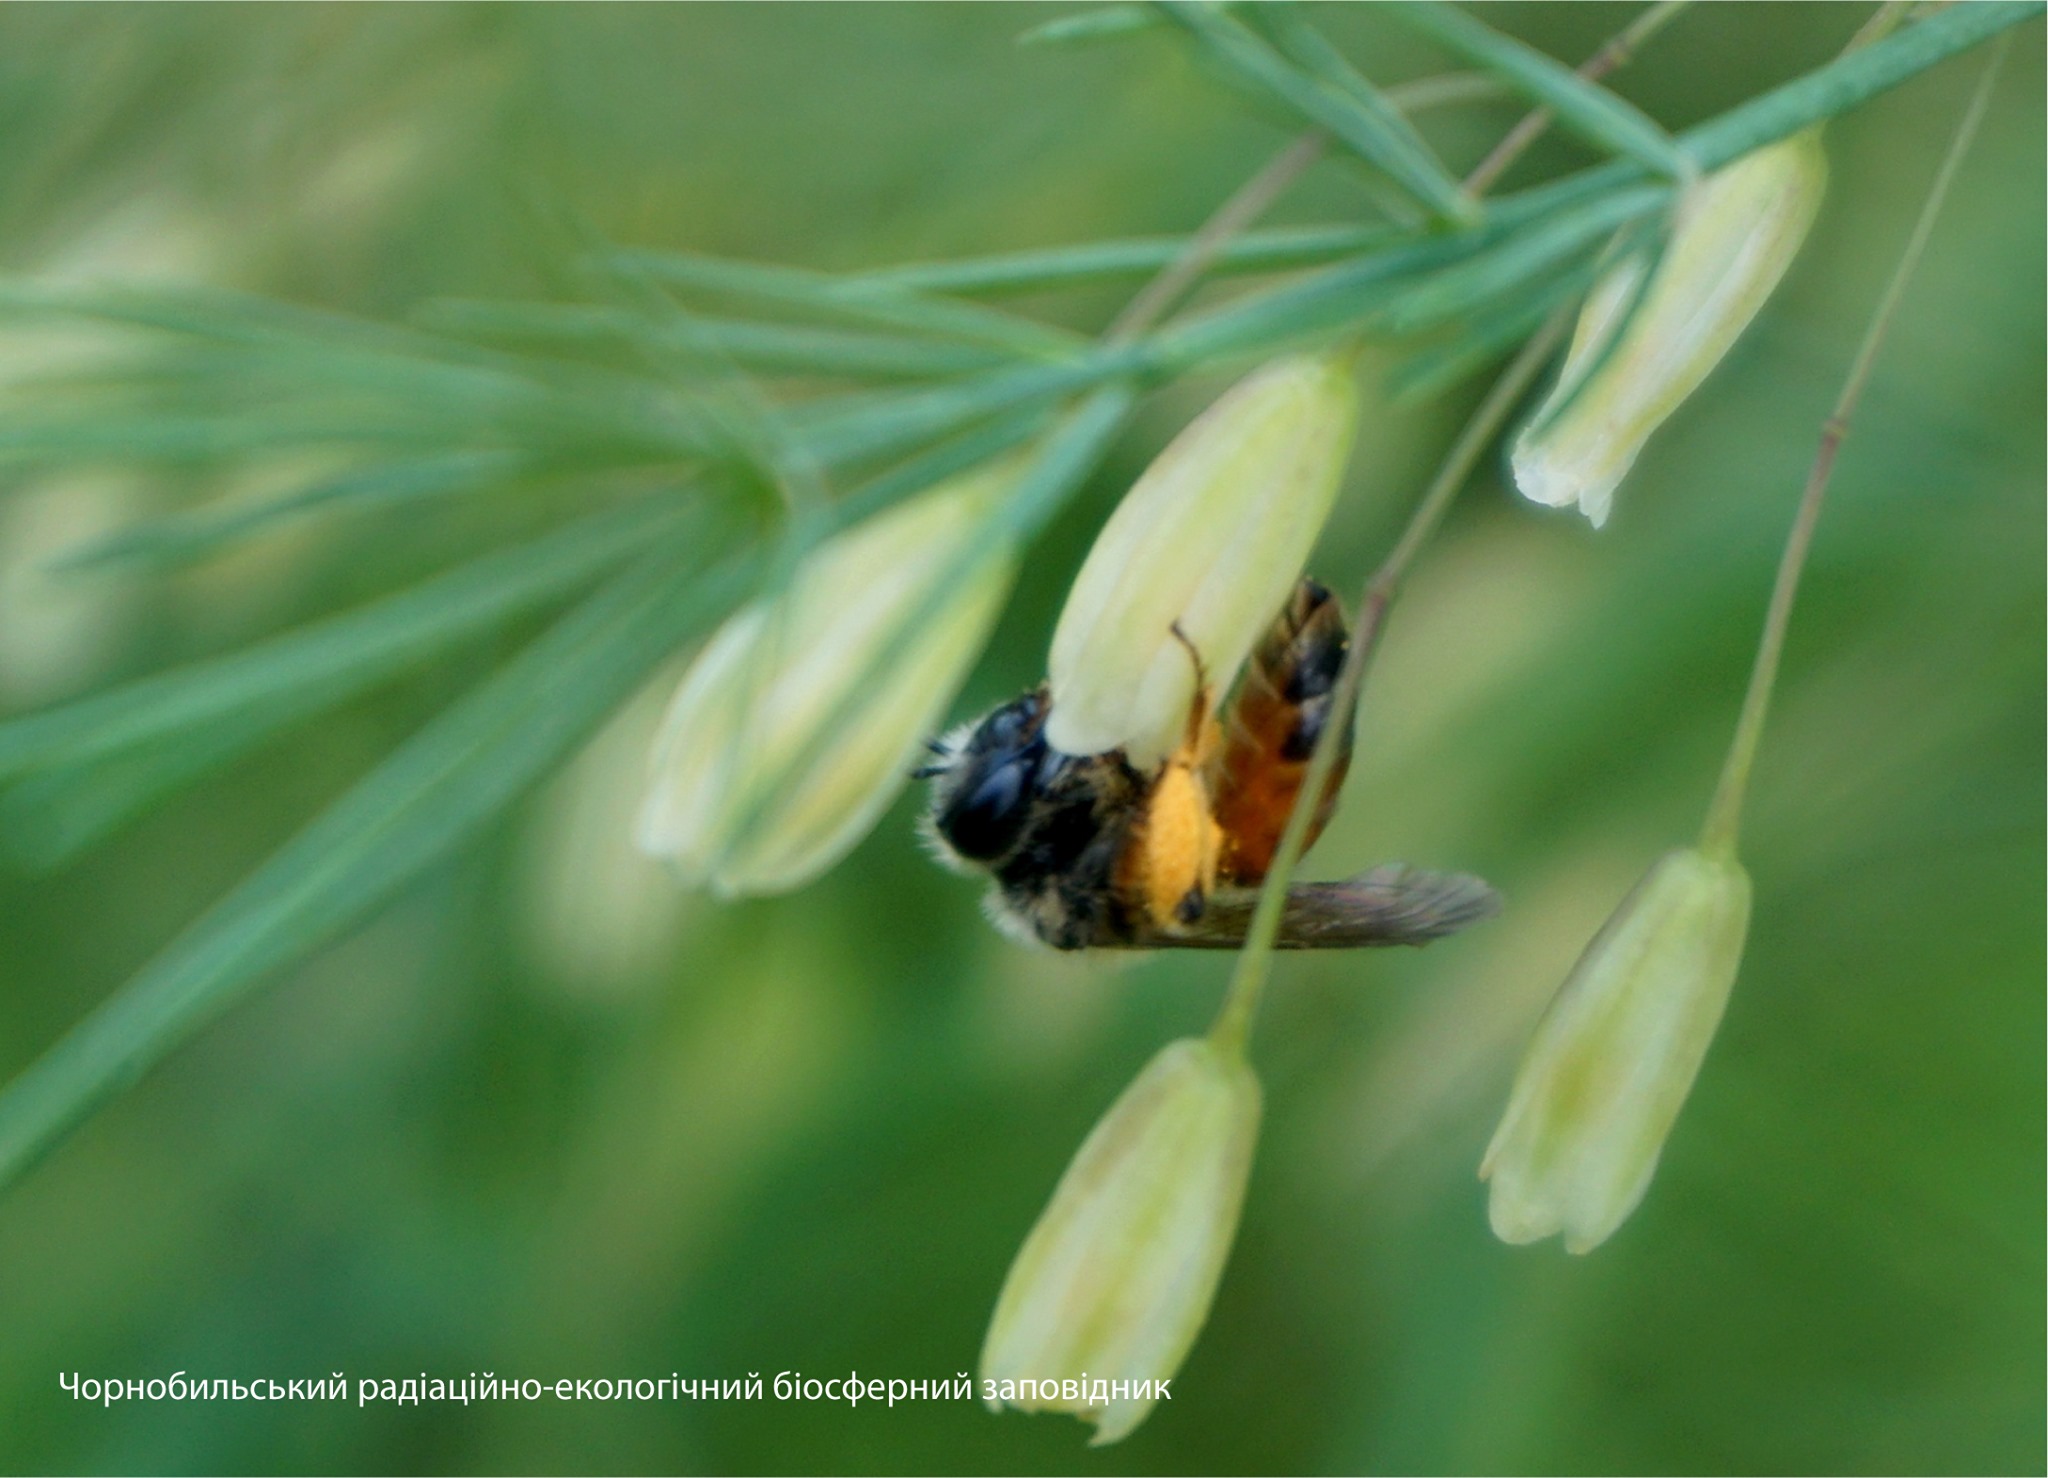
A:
(748, 793)
(1616, 1053)
(1735, 235)
(1213, 537)
(1114, 1282)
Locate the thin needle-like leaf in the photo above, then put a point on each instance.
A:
(1477, 283)
(1320, 304)
(1310, 50)
(773, 348)
(432, 793)
(85, 437)
(356, 647)
(935, 464)
(51, 817)
(1373, 129)
(822, 294)
(852, 429)
(1586, 108)
(1483, 339)
(195, 533)
(1850, 79)
(1096, 23)
(1116, 261)
(1819, 95)
(395, 384)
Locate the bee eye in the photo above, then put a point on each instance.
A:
(985, 819)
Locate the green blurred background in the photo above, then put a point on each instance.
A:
(545, 1117)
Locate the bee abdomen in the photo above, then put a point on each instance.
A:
(1283, 703)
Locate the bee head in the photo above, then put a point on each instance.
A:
(985, 779)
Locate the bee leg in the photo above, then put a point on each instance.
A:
(1194, 653)
(1198, 715)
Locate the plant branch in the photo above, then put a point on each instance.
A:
(1256, 195)
(1849, 79)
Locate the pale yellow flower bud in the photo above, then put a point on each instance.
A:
(1212, 536)
(1737, 231)
(1111, 1287)
(1616, 1053)
(748, 792)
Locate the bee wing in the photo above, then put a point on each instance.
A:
(1394, 904)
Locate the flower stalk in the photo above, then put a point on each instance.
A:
(1724, 813)
(1232, 1028)
(1233, 1024)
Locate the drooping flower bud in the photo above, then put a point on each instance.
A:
(1736, 233)
(1212, 536)
(1616, 1053)
(1114, 1282)
(749, 793)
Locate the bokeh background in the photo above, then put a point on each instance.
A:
(544, 1116)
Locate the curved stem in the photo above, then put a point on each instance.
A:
(1617, 52)
(1232, 1029)
(1724, 814)
(1247, 203)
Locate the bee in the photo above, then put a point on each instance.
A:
(1090, 852)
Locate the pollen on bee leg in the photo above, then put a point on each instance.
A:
(1179, 841)
(1170, 867)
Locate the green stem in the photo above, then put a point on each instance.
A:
(1724, 814)
(1618, 50)
(1232, 1030)
(1251, 200)
(1887, 19)
(1855, 76)
(1444, 90)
